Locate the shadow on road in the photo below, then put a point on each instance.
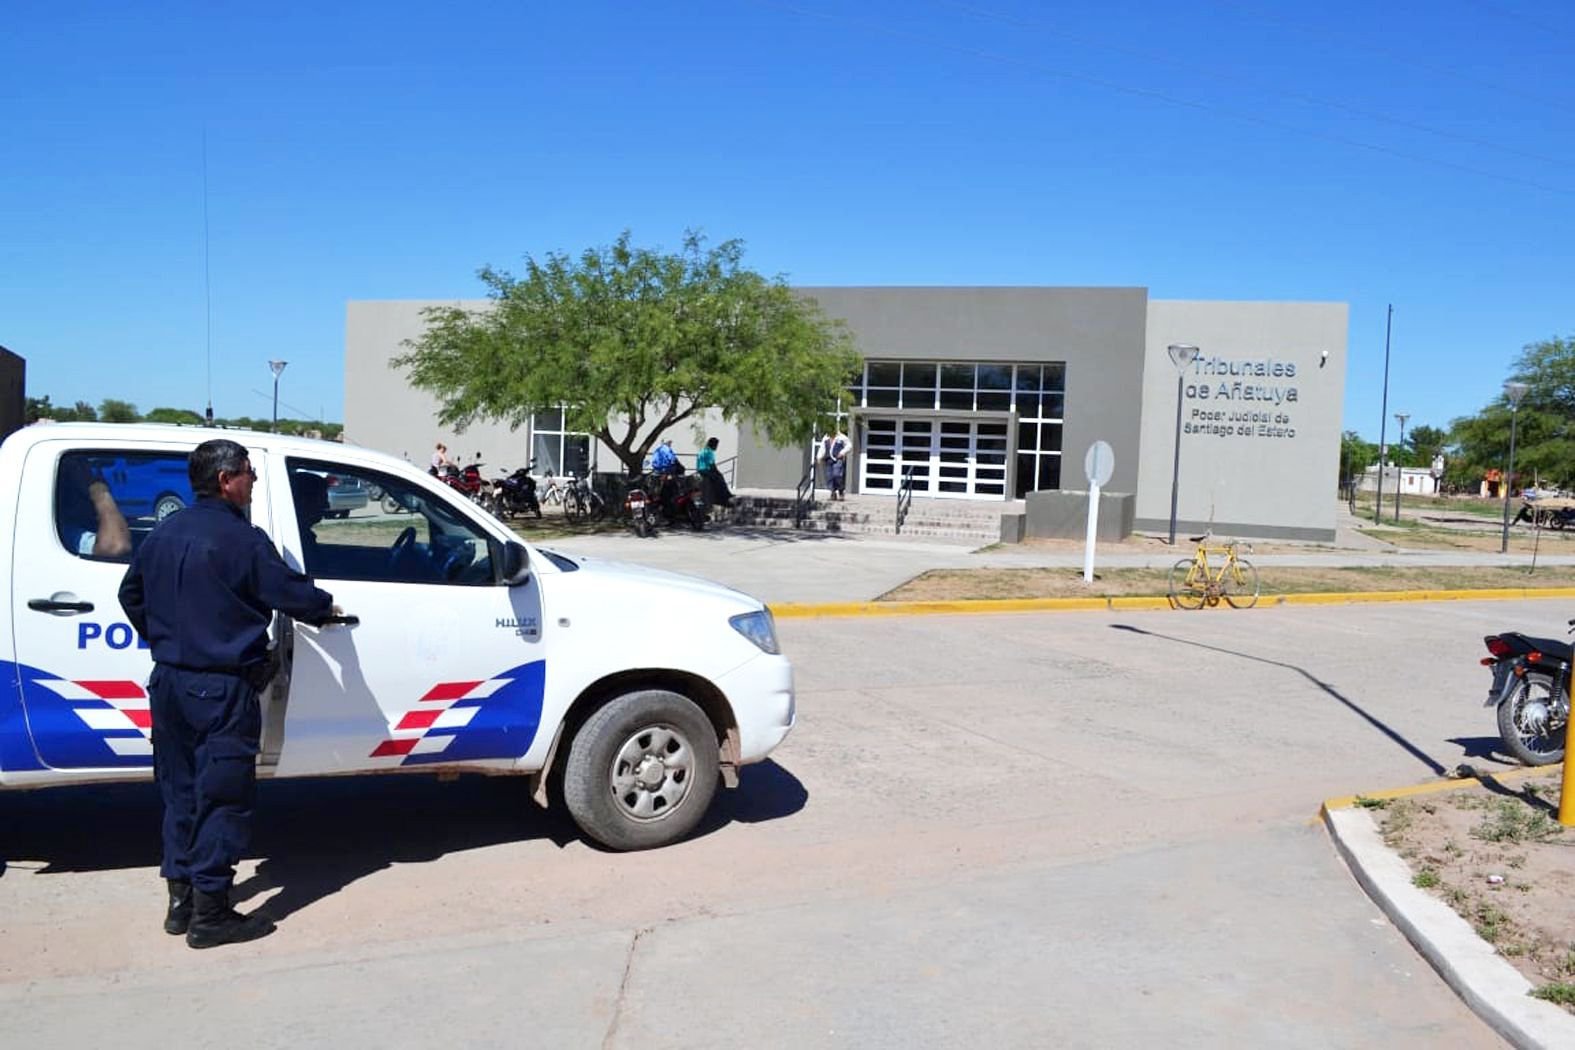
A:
(1377, 723)
(317, 836)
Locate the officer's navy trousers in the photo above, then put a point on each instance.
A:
(206, 728)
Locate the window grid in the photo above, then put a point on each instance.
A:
(1035, 392)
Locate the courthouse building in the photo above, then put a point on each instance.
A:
(990, 394)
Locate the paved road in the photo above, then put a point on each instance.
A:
(785, 566)
(1023, 830)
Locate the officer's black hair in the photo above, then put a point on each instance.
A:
(211, 457)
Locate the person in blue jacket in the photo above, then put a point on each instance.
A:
(201, 591)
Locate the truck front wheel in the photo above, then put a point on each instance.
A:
(642, 770)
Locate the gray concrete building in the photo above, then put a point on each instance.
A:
(992, 393)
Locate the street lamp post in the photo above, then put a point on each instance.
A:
(277, 367)
(1400, 417)
(1513, 392)
(1181, 355)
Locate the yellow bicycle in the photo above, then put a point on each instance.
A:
(1196, 582)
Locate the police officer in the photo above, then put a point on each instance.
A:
(201, 591)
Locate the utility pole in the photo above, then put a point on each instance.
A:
(1400, 417)
(1383, 419)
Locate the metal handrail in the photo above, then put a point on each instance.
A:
(804, 498)
(904, 498)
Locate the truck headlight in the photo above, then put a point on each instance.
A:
(759, 628)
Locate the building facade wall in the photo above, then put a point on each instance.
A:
(1262, 406)
(1261, 415)
(1097, 333)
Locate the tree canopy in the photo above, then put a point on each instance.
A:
(631, 342)
(1544, 423)
(113, 410)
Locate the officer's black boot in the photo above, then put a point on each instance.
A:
(214, 922)
(178, 918)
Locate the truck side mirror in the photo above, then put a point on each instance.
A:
(516, 564)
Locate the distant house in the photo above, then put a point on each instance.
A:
(1413, 481)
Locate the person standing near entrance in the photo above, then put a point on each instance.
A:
(201, 592)
(834, 449)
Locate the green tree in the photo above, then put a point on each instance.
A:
(38, 408)
(1423, 443)
(1356, 456)
(1544, 423)
(173, 415)
(112, 411)
(633, 342)
(85, 412)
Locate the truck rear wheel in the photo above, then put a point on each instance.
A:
(642, 770)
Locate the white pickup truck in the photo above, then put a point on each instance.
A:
(466, 650)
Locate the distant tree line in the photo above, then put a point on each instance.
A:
(1474, 445)
(112, 410)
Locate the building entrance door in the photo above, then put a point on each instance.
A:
(950, 458)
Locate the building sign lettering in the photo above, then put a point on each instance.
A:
(1243, 403)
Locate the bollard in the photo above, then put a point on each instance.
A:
(1567, 782)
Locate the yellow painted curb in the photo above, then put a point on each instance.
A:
(1433, 787)
(964, 606)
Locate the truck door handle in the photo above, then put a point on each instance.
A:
(348, 620)
(50, 605)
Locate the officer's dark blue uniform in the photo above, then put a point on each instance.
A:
(201, 590)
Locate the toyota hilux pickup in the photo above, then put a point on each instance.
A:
(461, 648)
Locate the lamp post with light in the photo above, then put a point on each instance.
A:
(1181, 355)
(1400, 417)
(277, 367)
(1513, 392)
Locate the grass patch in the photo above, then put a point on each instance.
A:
(968, 584)
(1560, 993)
(1511, 821)
(1425, 879)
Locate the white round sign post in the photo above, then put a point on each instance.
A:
(1097, 467)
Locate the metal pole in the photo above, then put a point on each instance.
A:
(1383, 418)
(1400, 417)
(1175, 470)
(1514, 415)
(276, 403)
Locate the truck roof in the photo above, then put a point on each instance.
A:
(284, 444)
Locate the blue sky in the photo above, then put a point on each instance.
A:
(1415, 152)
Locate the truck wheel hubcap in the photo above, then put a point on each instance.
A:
(651, 773)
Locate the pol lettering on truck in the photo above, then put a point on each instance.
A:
(114, 635)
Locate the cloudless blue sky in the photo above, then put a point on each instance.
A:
(1414, 152)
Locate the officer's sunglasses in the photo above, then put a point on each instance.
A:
(250, 472)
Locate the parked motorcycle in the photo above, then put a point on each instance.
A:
(467, 481)
(641, 511)
(682, 499)
(1531, 688)
(515, 494)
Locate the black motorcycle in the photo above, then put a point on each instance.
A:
(1531, 689)
(515, 494)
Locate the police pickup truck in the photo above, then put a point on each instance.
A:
(463, 650)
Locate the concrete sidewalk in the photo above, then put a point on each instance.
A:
(785, 566)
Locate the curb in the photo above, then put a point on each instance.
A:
(1493, 989)
(966, 606)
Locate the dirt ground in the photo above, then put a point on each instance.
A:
(961, 584)
(1501, 859)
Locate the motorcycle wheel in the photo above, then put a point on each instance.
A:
(391, 505)
(1531, 722)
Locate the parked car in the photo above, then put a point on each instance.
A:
(151, 487)
(344, 495)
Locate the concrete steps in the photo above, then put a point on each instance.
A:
(927, 519)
